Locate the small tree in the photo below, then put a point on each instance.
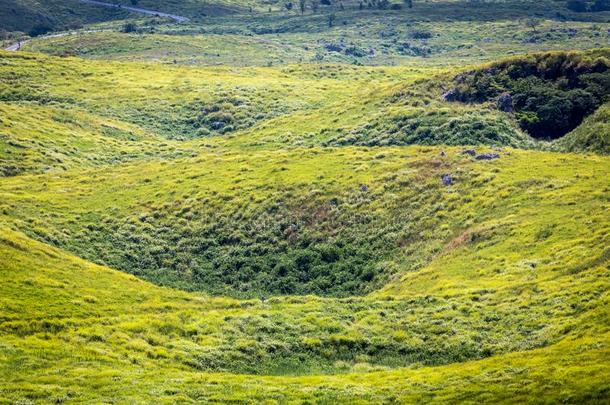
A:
(302, 5)
(134, 2)
(331, 19)
(129, 27)
(409, 3)
(533, 24)
(288, 5)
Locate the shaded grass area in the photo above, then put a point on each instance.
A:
(592, 136)
(49, 15)
(324, 221)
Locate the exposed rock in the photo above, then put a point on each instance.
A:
(470, 152)
(488, 156)
(447, 179)
(364, 188)
(291, 229)
(451, 95)
(505, 103)
(333, 47)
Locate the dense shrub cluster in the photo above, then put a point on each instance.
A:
(224, 112)
(298, 242)
(434, 127)
(551, 94)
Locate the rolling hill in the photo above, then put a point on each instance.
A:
(244, 209)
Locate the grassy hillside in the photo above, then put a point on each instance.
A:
(592, 136)
(48, 15)
(283, 106)
(432, 33)
(407, 205)
(482, 296)
(400, 276)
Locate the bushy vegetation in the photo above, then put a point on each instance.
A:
(582, 6)
(550, 94)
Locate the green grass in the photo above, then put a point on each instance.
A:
(491, 290)
(250, 233)
(592, 136)
(432, 33)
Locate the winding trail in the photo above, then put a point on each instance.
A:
(179, 19)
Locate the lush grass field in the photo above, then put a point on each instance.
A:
(482, 295)
(307, 223)
(492, 288)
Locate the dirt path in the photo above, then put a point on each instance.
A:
(14, 47)
(179, 19)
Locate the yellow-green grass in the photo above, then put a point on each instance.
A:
(46, 138)
(170, 100)
(529, 272)
(280, 106)
(491, 289)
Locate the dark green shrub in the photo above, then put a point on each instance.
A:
(40, 29)
(552, 93)
(129, 28)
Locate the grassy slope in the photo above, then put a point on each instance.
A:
(23, 15)
(513, 296)
(592, 136)
(458, 34)
(283, 106)
(173, 106)
(492, 289)
(39, 137)
(501, 294)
